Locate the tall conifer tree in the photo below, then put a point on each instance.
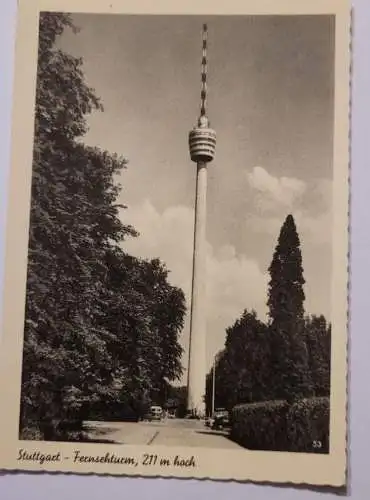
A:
(289, 359)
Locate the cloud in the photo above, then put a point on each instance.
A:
(234, 282)
(313, 230)
(310, 204)
(167, 235)
(271, 191)
(311, 208)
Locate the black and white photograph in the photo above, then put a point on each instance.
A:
(181, 239)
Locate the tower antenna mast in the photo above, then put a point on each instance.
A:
(203, 93)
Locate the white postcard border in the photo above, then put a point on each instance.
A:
(217, 464)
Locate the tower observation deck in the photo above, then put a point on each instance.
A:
(202, 144)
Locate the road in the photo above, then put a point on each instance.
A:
(170, 432)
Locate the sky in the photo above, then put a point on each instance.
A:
(270, 100)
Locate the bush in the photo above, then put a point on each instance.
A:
(308, 428)
(30, 433)
(278, 426)
(260, 426)
(54, 430)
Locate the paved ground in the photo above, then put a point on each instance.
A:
(171, 432)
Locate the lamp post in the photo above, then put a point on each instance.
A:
(215, 361)
(213, 387)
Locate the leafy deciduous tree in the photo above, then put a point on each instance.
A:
(90, 335)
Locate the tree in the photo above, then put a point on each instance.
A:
(246, 359)
(318, 340)
(145, 318)
(289, 356)
(177, 400)
(242, 370)
(99, 325)
(167, 309)
(73, 219)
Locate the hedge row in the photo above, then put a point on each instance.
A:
(279, 426)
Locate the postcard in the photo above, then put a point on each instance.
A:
(175, 292)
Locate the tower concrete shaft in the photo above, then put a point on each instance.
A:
(202, 144)
(197, 347)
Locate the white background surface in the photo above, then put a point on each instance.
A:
(61, 487)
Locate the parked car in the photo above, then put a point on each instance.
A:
(208, 422)
(221, 419)
(155, 413)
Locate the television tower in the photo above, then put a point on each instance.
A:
(202, 144)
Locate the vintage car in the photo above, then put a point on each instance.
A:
(220, 419)
(156, 412)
